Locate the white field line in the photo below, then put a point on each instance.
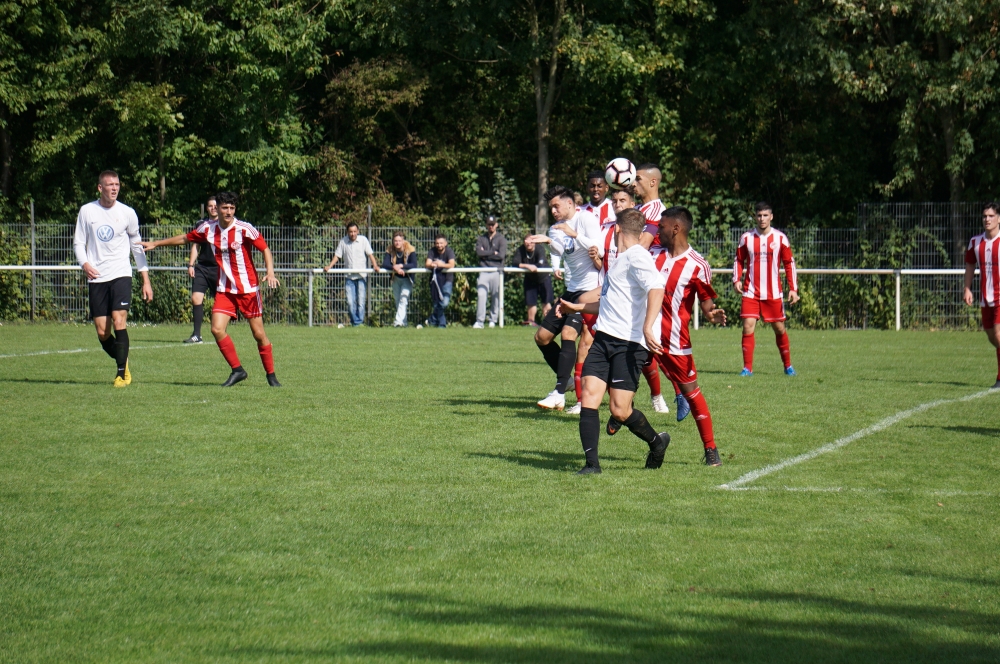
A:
(754, 475)
(87, 350)
(840, 489)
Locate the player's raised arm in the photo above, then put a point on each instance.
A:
(174, 241)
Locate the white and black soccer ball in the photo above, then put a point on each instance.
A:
(619, 173)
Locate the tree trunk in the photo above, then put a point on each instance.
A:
(956, 183)
(5, 157)
(159, 141)
(545, 83)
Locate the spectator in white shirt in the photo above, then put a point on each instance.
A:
(353, 249)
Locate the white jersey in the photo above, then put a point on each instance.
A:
(623, 297)
(103, 239)
(573, 251)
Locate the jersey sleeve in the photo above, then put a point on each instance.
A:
(789, 262)
(199, 234)
(558, 240)
(970, 253)
(134, 239)
(742, 258)
(80, 240)
(703, 285)
(588, 233)
(647, 275)
(256, 239)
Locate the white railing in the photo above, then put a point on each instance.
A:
(312, 272)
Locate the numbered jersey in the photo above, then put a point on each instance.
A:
(985, 254)
(686, 275)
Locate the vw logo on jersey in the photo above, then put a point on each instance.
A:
(569, 247)
(105, 233)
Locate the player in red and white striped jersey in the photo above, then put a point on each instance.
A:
(599, 204)
(687, 274)
(237, 290)
(761, 254)
(984, 254)
(647, 189)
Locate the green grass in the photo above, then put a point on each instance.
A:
(402, 499)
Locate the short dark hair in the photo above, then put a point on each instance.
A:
(761, 206)
(440, 236)
(680, 213)
(628, 189)
(106, 174)
(226, 198)
(647, 167)
(398, 234)
(212, 198)
(631, 222)
(595, 175)
(559, 191)
(992, 205)
(350, 225)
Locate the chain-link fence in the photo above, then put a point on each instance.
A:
(899, 237)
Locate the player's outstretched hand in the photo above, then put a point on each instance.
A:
(571, 307)
(544, 239)
(149, 246)
(272, 281)
(652, 340)
(717, 316)
(793, 297)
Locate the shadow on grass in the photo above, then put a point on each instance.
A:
(45, 381)
(989, 432)
(519, 407)
(762, 626)
(560, 461)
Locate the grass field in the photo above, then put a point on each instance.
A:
(402, 499)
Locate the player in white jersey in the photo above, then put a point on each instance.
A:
(106, 233)
(984, 253)
(569, 239)
(647, 188)
(628, 329)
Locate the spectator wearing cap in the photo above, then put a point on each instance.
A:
(400, 257)
(440, 258)
(537, 287)
(491, 248)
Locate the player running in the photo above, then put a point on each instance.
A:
(106, 231)
(237, 289)
(570, 239)
(984, 253)
(204, 272)
(685, 273)
(627, 331)
(647, 188)
(759, 257)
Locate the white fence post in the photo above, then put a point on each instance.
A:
(501, 295)
(312, 275)
(898, 320)
(34, 276)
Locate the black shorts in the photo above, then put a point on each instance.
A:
(615, 361)
(205, 279)
(539, 291)
(555, 324)
(108, 296)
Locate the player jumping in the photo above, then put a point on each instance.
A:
(627, 331)
(686, 273)
(647, 188)
(237, 289)
(106, 231)
(984, 253)
(756, 276)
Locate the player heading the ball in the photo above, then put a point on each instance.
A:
(237, 289)
(984, 253)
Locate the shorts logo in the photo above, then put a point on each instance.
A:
(105, 233)
(124, 304)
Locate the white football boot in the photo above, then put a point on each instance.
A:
(574, 409)
(554, 401)
(660, 404)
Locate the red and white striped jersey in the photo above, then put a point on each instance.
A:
(605, 213)
(610, 251)
(758, 261)
(686, 275)
(232, 252)
(652, 212)
(985, 254)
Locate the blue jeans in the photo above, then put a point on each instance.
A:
(356, 300)
(440, 299)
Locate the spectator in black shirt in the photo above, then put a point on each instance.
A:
(537, 287)
(440, 258)
(491, 249)
(400, 257)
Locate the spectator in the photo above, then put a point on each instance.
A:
(440, 258)
(537, 287)
(400, 257)
(352, 250)
(492, 251)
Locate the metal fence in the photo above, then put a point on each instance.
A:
(829, 300)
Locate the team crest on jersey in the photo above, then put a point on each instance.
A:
(569, 247)
(105, 233)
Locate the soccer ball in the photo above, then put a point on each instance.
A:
(620, 173)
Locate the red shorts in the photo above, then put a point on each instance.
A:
(772, 311)
(248, 304)
(590, 320)
(679, 368)
(990, 318)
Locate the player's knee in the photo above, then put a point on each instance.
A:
(543, 337)
(620, 412)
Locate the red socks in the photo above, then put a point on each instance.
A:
(266, 358)
(577, 374)
(702, 418)
(653, 378)
(748, 342)
(228, 351)
(786, 354)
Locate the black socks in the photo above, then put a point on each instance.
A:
(639, 425)
(550, 352)
(109, 346)
(567, 363)
(121, 350)
(199, 315)
(590, 433)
